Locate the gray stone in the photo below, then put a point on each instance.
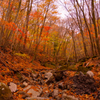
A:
(55, 93)
(50, 80)
(64, 91)
(5, 92)
(25, 96)
(37, 98)
(21, 92)
(22, 85)
(68, 97)
(64, 95)
(25, 83)
(33, 75)
(13, 87)
(46, 95)
(28, 87)
(81, 73)
(48, 75)
(34, 93)
(90, 73)
(57, 98)
(60, 85)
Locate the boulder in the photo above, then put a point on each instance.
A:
(5, 92)
(90, 73)
(13, 87)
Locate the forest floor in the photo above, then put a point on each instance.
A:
(11, 65)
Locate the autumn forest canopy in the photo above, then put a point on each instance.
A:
(34, 27)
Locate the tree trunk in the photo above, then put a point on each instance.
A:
(95, 28)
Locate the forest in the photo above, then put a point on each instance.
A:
(41, 49)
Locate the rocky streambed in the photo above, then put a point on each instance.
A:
(52, 85)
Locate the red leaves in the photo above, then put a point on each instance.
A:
(36, 15)
(23, 34)
(47, 28)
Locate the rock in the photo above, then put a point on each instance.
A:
(90, 73)
(24, 79)
(57, 98)
(26, 74)
(55, 93)
(25, 83)
(68, 97)
(34, 93)
(48, 75)
(63, 86)
(37, 98)
(34, 75)
(21, 92)
(5, 92)
(22, 85)
(64, 95)
(64, 91)
(28, 87)
(46, 95)
(60, 85)
(81, 73)
(59, 66)
(25, 96)
(13, 87)
(50, 80)
(59, 75)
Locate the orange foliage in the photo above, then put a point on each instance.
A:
(23, 34)
(47, 28)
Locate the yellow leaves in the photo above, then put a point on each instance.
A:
(54, 12)
(98, 73)
(86, 96)
(22, 55)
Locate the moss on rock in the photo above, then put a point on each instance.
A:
(5, 92)
(84, 69)
(66, 67)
